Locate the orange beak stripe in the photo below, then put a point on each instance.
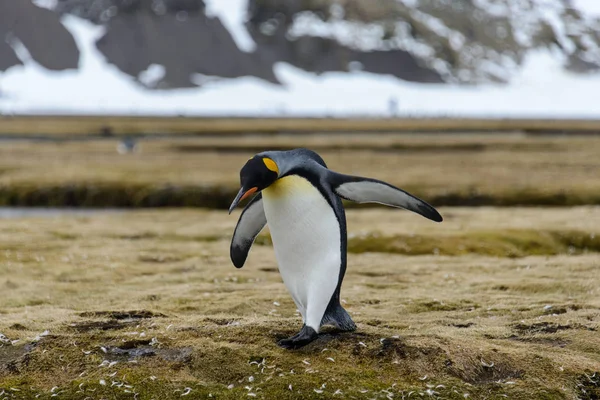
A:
(249, 193)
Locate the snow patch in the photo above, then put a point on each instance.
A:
(232, 14)
(19, 48)
(49, 4)
(356, 35)
(152, 75)
(589, 7)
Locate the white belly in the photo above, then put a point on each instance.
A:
(306, 239)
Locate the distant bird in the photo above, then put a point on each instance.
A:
(300, 199)
(127, 146)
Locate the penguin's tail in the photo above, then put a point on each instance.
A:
(338, 317)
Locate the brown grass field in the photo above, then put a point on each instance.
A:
(446, 169)
(493, 303)
(123, 125)
(490, 304)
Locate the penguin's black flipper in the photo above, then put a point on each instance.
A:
(367, 190)
(251, 222)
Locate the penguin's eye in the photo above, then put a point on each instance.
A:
(271, 165)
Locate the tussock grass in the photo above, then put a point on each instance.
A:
(147, 302)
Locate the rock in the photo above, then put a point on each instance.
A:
(40, 31)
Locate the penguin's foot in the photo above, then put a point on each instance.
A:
(300, 339)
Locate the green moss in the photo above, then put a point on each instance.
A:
(231, 362)
(425, 306)
(508, 243)
(355, 385)
(64, 235)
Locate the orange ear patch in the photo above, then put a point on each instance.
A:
(271, 165)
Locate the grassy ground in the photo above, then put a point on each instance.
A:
(492, 303)
(445, 169)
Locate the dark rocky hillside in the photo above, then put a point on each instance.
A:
(464, 41)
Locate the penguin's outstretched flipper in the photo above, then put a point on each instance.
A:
(367, 190)
(251, 222)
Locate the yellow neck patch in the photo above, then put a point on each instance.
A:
(271, 165)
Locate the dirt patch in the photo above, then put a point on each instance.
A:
(182, 355)
(555, 310)
(485, 369)
(371, 301)
(221, 321)
(159, 258)
(121, 315)
(397, 348)
(88, 326)
(14, 358)
(588, 386)
(136, 349)
(18, 327)
(117, 320)
(136, 236)
(132, 344)
(383, 349)
(461, 325)
(428, 306)
(554, 342)
(372, 274)
(548, 327)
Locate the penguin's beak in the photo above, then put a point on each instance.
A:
(242, 194)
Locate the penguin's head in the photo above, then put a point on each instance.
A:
(258, 173)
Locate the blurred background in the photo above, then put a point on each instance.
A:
(465, 58)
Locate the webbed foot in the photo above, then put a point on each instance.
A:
(300, 339)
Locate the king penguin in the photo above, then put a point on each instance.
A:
(300, 199)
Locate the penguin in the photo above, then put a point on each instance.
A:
(301, 200)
